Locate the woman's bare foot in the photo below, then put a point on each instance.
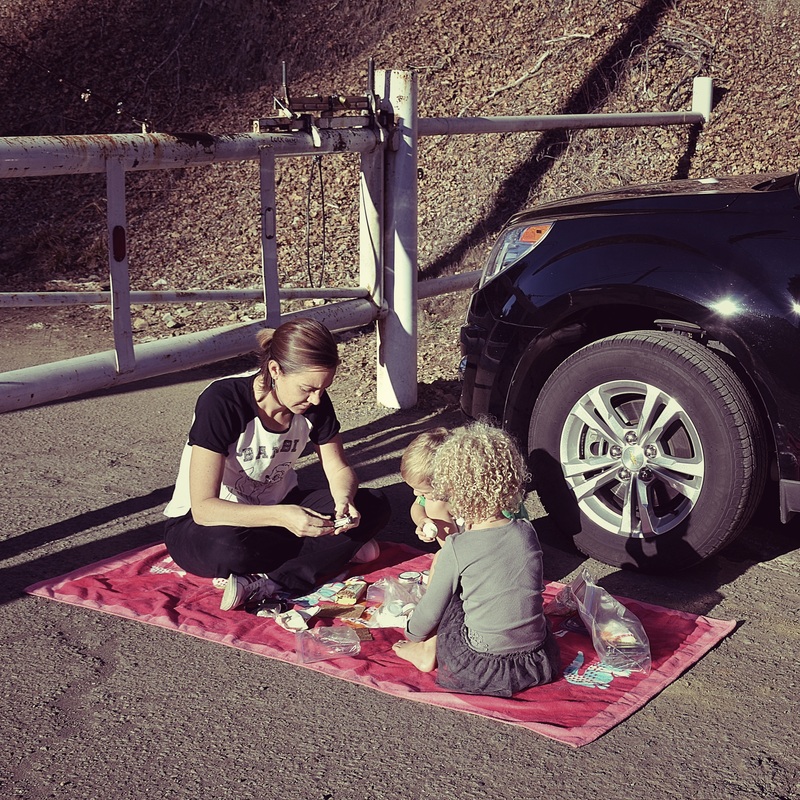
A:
(421, 654)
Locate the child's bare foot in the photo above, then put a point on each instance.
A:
(421, 654)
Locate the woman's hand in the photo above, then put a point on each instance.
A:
(344, 508)
(303, 522)
(342, 482)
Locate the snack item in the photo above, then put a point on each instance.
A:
(364, 634)
(353, 589)
(342, 612)
(391, 615)
(324, 594)
(429, 531)
(296, 620)
(617, 635)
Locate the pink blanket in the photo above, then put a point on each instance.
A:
(583, 704)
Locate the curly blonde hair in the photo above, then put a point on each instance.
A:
(480, 471)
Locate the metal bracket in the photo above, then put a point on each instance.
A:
(314, 112)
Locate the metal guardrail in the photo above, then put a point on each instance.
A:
(385, 132)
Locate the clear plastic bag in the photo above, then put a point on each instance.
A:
(322, 644)
(396, 601)
(563, 604)
(617, 633)
(391, 590)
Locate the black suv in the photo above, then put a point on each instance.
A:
(645, 345)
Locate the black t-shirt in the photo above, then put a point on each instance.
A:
(259, 464)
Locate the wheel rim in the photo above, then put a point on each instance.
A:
(633, 459)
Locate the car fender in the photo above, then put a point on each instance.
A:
(591, 313)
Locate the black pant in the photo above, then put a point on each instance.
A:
(297, 563)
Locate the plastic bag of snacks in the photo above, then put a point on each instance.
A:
(618, 635)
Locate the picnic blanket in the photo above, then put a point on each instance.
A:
(584, 703)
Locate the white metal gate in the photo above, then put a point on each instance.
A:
(384, 131)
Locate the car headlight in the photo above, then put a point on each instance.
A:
(515, 243)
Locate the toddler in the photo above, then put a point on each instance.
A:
(430, 515)
(480, 621)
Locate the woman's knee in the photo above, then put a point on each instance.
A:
(373, 505)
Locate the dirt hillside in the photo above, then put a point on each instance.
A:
(100, 66)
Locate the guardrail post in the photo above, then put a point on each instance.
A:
(118, 266)
(269, 239)
(397, 330)
(371, 207)
(370, 224)
(702, 96)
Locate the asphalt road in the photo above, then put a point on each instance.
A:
(94, 706)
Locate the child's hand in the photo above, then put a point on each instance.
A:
(427, 530)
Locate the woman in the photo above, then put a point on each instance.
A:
(237, 511)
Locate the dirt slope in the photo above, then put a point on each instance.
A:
(69, 67)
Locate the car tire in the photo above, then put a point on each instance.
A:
(646, 448)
